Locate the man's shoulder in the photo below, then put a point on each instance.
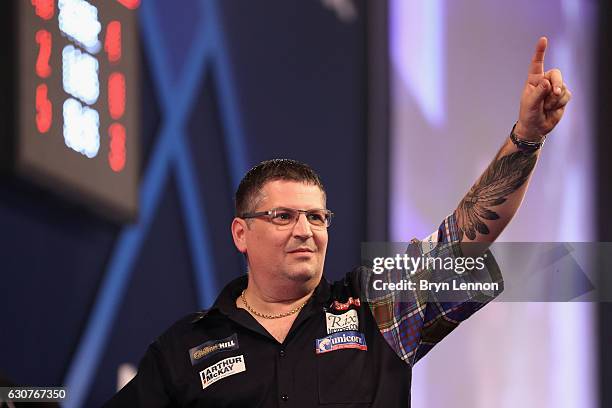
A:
(181, 328)
(349, 286)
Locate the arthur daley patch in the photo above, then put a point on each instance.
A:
(341, 322)
(338, 341)
(212, 347)
(222, 369)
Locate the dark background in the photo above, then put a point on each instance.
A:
(604, 192)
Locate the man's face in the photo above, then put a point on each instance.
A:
(294, 252)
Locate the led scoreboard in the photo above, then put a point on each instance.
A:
(77, 129)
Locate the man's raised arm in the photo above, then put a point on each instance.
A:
(497, 194)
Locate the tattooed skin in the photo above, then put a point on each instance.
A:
(503, 177)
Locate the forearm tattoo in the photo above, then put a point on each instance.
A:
(503, 177)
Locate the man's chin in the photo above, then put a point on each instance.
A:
(302, 275)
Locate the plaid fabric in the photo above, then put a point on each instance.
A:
(413, 325)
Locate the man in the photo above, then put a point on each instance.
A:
(283, 336)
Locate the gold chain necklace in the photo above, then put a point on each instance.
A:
(269, 316)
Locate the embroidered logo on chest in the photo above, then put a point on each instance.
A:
(212, 347)
(345, 306)
(222, 369)
(338, 341)
(341, 322)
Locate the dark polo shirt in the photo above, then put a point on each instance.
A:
(333, 356)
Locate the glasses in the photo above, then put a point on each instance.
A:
(320, 218)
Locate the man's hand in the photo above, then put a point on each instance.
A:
(543, 100)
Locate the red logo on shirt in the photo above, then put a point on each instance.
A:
(344, 306)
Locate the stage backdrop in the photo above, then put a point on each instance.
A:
(457, 70)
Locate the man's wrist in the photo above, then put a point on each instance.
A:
(526, 144)
(523, 132)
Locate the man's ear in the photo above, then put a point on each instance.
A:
(239, 227)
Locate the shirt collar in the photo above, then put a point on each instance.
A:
(226, 301)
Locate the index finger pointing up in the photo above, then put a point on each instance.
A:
(537, 62)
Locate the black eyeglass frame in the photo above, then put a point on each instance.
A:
(271, 214)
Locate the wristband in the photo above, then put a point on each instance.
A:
(525, 145)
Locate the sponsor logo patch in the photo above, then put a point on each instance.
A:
(342, 340)
(212, 347)
(342, 322)
(345, 306)
(222, 369)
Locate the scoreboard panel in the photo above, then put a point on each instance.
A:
(77, 101)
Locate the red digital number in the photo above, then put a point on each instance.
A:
(44, 110)
(131, 4)
(44, 8)
(116, 95)
(116, 154)
(43, 38)
(112, 41)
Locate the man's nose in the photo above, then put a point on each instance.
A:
(302, 227)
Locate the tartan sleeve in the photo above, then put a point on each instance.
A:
(412, 325)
